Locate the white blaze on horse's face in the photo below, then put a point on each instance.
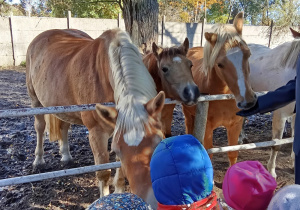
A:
(236, 58)
(233, 66)
(177, 59)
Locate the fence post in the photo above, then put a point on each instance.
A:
(162, 30)
(69, 19)
(202, 32)
(270, 36)
(12, 38)
(200, 120)
(119, 20)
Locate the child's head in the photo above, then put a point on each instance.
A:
(248, 185)
(287, 197)
(181, 171)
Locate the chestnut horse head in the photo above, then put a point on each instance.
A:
(227, 52)
(171, 71)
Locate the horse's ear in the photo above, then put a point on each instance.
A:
(156, 50)
(184, 47)
(155, 105)
(238, 22)
(295, 33)
(211, 38)
(107, 114)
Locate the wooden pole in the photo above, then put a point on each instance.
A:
(200, 120)
(202, 32)
(119, 20)
(56, 174)
(88, 169)
(162, 30)
(69, 20)
(89, 107)
(12, 39)
(270, 36)
(273, 142)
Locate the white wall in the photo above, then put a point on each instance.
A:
(24, 29)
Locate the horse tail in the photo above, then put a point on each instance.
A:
(53, 126)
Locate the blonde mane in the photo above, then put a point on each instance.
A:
(226, 34)
(290, 57)
(133, 86)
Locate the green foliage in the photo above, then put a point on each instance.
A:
(83, 9)
(6, 9)
(286, 13)
(218, 13)
(23, 64)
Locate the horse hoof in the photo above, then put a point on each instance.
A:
(38, 168)
(38, 164)
(67, 163)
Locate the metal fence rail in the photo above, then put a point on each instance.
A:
(89, 107)
(88, 169)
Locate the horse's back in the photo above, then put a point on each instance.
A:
(266, 71)
(66, 67)
(195, 53)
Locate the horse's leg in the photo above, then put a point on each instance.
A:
(278, 123)
(119, 180)
(233, 132)
(39, 125)
(242, 135)
(189, 120)
(98, 141)
(166, 119)
(208, 138)
(293, 131)
(63, 144)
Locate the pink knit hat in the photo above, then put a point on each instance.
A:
(248, 185)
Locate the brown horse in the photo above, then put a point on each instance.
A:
(223, 69)
(66, 67)
(171, 71)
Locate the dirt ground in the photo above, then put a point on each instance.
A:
(17, 145)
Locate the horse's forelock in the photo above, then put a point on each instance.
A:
(133, 87)
(227, 35)
(171, 52)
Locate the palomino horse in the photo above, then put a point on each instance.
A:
(67, 67)
(172, 73)
(223, 69)
(271, 69)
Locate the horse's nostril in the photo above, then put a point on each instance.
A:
(197, 93)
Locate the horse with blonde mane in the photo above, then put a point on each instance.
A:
(224, 69)
(171, 71)
(68, 67)
(271, 69)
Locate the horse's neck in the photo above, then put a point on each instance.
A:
(210, 83)
(151, 64)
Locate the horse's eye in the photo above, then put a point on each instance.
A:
(165, 69)
(220, 65)
(192, 65)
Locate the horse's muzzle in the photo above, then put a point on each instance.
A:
(247, 105)
(190, 95)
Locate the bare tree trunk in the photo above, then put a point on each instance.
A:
(141, 21)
